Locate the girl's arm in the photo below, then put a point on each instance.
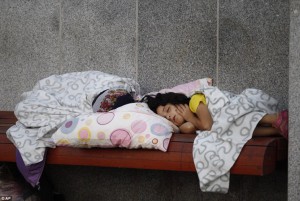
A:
(202, 120)
(204, 117)
(187, 127)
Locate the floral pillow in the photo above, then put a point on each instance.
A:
(131, 126)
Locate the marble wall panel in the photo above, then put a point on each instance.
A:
(29, 46)
(254, 46)
(99, 35)
(177, 42)
(294, 104)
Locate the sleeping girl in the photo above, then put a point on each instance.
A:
(194, 113)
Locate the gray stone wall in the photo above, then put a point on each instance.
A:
(240, 44)
(294, 106)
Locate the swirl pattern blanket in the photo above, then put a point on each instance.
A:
(235, 118)
(52, 101)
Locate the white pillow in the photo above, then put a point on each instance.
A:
(131, 126)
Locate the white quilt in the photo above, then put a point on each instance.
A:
(54, 100)
(235, 118)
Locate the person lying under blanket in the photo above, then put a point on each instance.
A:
(192, 113)
(111, 99)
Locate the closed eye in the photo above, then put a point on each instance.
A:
(164, 109)
(168, 110)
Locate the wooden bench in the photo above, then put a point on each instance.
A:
(258, 157)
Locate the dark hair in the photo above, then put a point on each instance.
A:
(163, 99)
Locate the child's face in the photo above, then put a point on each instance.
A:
(170, 112)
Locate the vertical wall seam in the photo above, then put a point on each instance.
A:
(60, 37)
(136, 40)
(217, 46)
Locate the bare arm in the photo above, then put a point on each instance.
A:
(202, 120)
(187, 127)
(205, 120)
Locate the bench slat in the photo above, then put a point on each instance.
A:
(7, 115)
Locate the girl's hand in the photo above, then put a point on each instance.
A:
(185, 112)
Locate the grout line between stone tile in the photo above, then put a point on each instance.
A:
(60, 37)
(217, 45)
(136, 40)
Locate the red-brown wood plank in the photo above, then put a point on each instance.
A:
(7, 153)
(282, 149)
(262, 141)
(4, 139)
(7, 115)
